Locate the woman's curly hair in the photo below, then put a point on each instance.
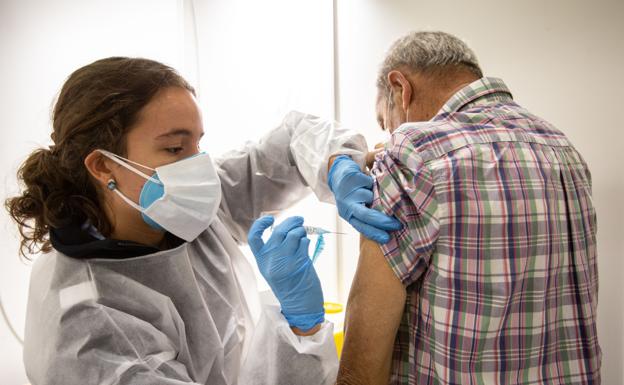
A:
(97, 106)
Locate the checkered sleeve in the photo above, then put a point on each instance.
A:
(404, 188)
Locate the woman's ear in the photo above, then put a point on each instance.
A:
(99, 167)
(401, 87)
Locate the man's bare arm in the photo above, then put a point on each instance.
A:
(374, 311)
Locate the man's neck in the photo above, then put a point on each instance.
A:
(436, 97)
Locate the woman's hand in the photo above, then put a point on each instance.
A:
(285, 264)
(353, 193)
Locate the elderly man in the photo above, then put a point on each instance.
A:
(493, 278)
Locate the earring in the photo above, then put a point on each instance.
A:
(112, 185)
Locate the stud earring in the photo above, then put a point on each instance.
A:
(112, 185)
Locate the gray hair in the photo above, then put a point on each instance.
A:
(422, 51)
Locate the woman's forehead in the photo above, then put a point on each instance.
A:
(170, 110)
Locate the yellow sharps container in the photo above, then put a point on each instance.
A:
(334, 312)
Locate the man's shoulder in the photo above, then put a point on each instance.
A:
(479, 125)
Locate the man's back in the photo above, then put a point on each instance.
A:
(499, 249)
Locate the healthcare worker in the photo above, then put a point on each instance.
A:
(141, 280)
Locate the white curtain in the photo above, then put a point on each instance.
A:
(257, 60)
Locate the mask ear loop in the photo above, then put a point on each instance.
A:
(112, 185)
(124, 162)
(385, 122)
(388, 109)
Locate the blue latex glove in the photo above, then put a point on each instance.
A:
(285, 264)
(353, 192)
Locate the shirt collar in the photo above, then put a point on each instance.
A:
(483, 88)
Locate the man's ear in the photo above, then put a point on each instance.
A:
(401, 87)
(99, 167)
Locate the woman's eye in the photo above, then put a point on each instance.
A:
(173, 150)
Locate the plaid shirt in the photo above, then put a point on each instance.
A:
(498, 252)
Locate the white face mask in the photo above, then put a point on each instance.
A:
(181, 197)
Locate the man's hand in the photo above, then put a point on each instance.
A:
(374, 312)
(353, 192)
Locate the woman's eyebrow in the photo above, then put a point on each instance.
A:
(177, 132)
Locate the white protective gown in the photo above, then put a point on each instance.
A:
(192, 314)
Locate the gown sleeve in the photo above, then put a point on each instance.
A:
(278, 356)
(280, 169)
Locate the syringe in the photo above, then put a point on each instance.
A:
(311, 230)
(314, 230)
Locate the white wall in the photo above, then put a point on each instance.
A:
(562, 60)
